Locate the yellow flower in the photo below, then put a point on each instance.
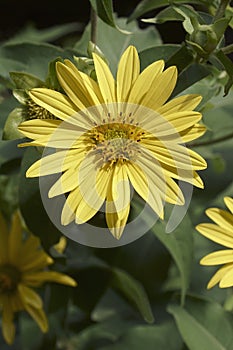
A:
(221, 232)
(113, 134)
(23, 265)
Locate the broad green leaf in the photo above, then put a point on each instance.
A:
(190, 76)
(141, 38)
(104, 10)
(9, 151)
(30, 57)
(31, 205)
(147, 5)
(133, 291)
(31, 34)
(162, 337)
(157, 52)
(179, 242)
(204, 325)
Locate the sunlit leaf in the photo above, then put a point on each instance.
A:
(204, 325)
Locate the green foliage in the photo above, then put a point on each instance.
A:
(150, 293)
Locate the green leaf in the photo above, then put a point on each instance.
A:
(148, 5)
(31, 205)
(133, 291)
(30, 57)
(31, 34)
(141, 39)
(161, 337)
(190, 76)
(204, 325)
(157, 52)
(25, 80)
(228, 66)
(104, 10)
(177, 55)
(179, 243)
(10, 131)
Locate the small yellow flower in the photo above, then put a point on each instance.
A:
(23, 265)
(114, 134)
(221, 232)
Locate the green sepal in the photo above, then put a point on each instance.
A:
(10, 131)
(25, 81)
(93, 48)
(85, 64)
(51, 80)
(21, 95)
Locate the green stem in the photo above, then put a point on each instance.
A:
(228, 49)
(93, 26)
(221, 10)
(211, 142)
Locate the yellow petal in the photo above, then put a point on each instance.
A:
(88, 86)
(55, 102)
(73, 86)
(120, 188)
(52, 164)
(161, 89)
(3, 240)
(93, 190)
(8, 327)
(66, 183)
(105, 79)
(70, 206)
(28, 296)
(15, 239)
(227, 279)
(36, 128)
(144, 81)
(39, 317)
(38, 278)
(179, 104)
(193, 132)
(229, 203)
(177, 123)
(127, 73)
(38, 260)
(116, 221)
(218, 258)
(222, 218)
(216, 234)
(140, 182)
(219, 275)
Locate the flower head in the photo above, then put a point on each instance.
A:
(220, 232)
(113, 135)
(23, 265)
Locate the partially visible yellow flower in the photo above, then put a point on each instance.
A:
(115, 133)
(220, 232)
(23, 265)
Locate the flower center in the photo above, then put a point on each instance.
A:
(117, 141)
(34, 111)
(9, 278)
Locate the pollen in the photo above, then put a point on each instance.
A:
(117, 141)
(34, 111)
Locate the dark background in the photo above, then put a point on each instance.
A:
(45, 13)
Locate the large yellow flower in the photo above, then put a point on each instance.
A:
(112, 134)
(23, 265)
(220, 232)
